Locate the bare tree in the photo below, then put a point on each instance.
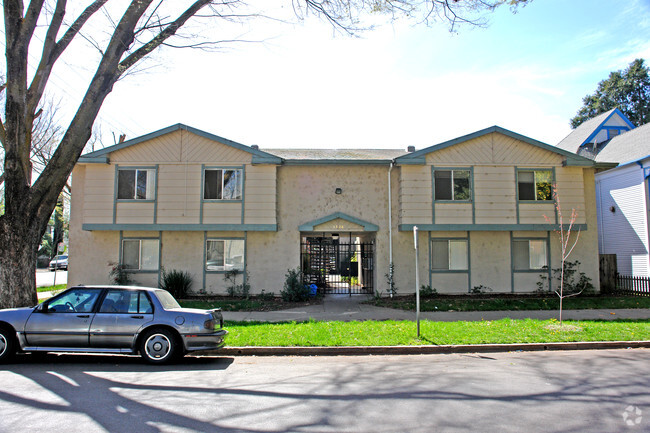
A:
(132, 33)
(567, 244)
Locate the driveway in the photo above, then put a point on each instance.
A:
(605, 391)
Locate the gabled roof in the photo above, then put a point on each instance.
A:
(632, 146)
(419, 156)
(101, 156)
(367, 227)
(587, 130)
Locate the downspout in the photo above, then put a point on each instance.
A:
(390, 231)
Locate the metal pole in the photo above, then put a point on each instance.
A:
(417, 279)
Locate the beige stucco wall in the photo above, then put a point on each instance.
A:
(307, 193)
(494, 159)
(179, 157)
(292, 195)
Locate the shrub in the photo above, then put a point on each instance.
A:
(427, 291)
(266, 296)
(178, 283)
(571, 286)
(235, 289)
(119, 275)
(481, 289)
(294, 289)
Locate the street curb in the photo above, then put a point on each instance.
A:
(427, 350)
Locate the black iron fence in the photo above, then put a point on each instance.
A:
(338, 267)
(638, 286)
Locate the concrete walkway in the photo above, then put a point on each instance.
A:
(348, 308)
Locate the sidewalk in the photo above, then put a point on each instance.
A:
(348, 308)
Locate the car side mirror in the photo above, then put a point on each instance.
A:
(43, 308)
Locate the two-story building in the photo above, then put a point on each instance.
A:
(180, 198)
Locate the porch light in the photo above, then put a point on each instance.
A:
(338, 191)
(335, 236)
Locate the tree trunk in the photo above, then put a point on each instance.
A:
(17, 264)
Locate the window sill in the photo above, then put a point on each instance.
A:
(449, 271)
(140, 271)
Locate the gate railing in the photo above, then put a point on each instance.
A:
(343, 268)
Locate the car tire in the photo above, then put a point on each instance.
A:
(159, 346)
(7, 344)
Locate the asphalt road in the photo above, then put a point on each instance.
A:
(507, 392)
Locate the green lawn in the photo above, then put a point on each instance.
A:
(56, 288)
(467, 303)
(403, 333)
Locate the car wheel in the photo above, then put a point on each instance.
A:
(7, 344)
(159, 346)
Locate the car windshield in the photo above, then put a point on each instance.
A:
(167, 300)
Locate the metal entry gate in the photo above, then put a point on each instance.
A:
(337, 266)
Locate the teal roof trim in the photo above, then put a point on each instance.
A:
(487, 227)
(259, 157)
(309, 226)
(94, 160)
(418, 157)
(183, 227)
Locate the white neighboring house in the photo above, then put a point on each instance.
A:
(622, 192)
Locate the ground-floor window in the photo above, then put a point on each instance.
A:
(224, 254)
(529, 254)
(140, 254)
(449, 254)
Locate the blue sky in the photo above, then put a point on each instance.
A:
(398, 85)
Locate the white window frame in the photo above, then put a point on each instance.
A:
(154, 267)
(227, 264)
(149, 189)
(239, 178)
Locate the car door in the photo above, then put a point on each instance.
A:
(63, 321)
(119, 318)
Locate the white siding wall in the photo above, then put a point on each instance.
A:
(624, 232)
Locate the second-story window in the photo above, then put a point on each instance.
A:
(535, 185)
(452, 185)
(222, 184)
(135, 184)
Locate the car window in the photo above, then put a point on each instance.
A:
(166, 300)
(145, 306)
(79, 300)
(126, 302)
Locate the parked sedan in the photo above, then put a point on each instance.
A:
(59, 262)
(111, 319)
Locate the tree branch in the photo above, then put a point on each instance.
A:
(166, 33)
(52, 50)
